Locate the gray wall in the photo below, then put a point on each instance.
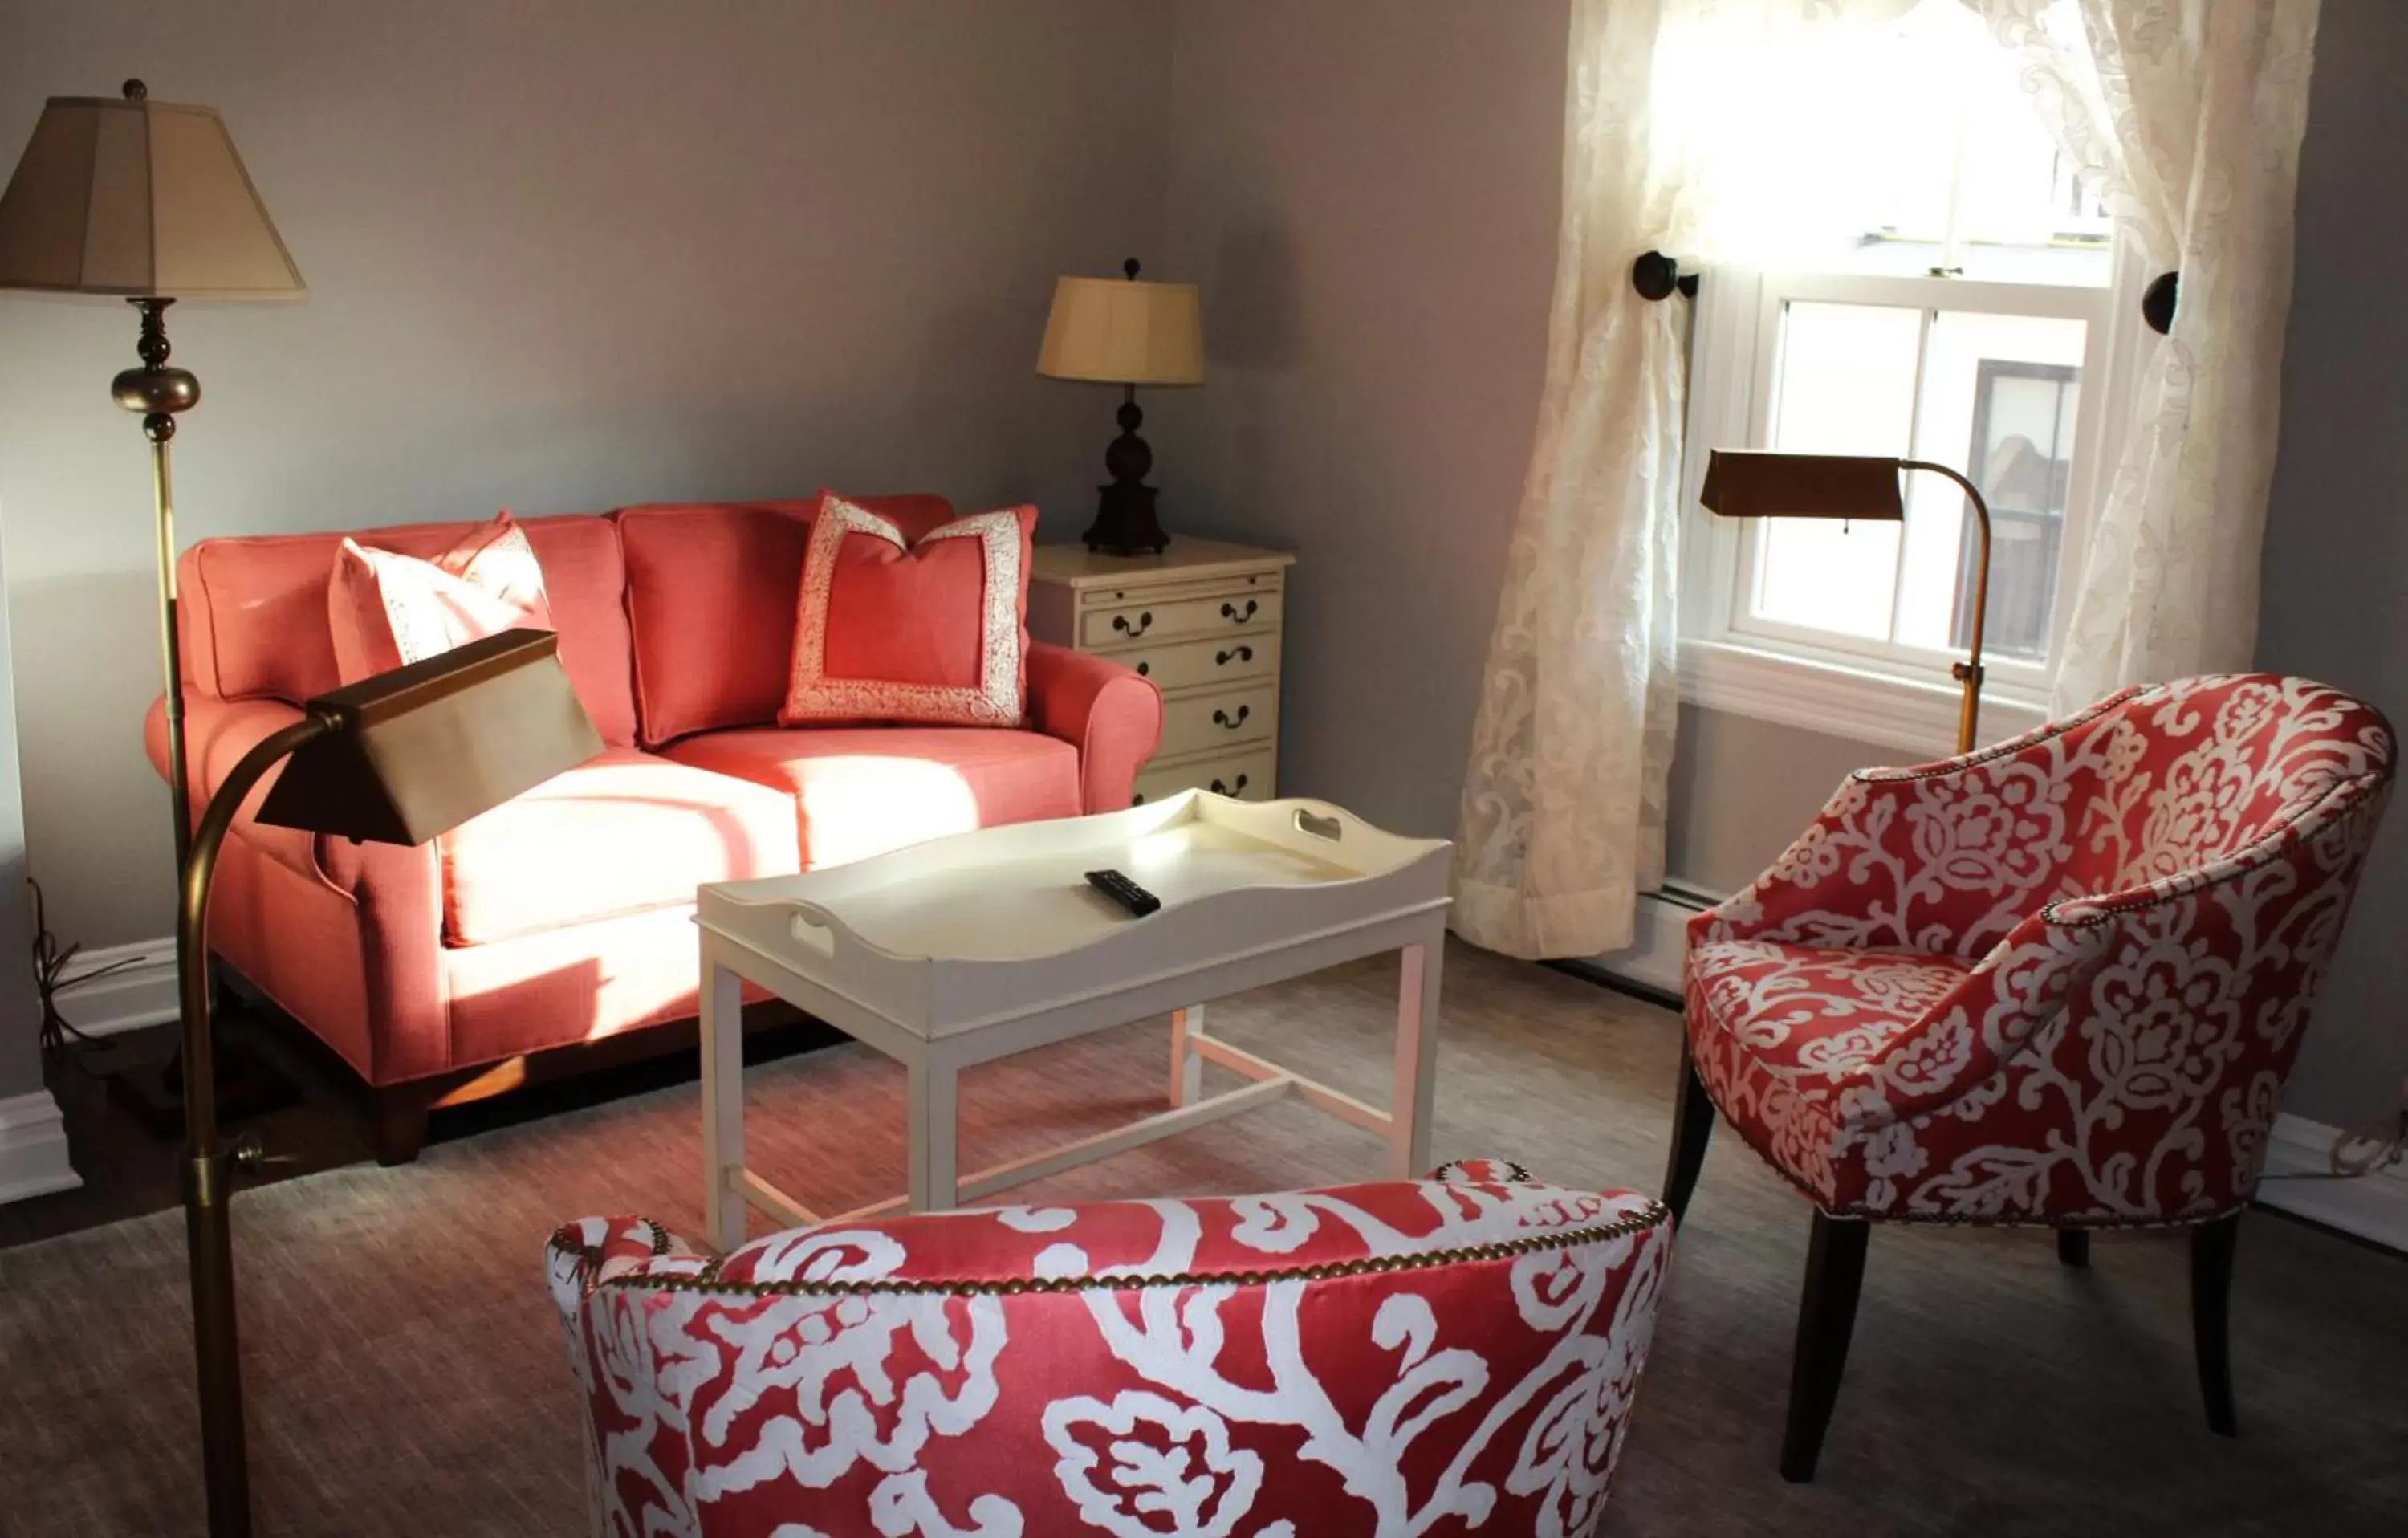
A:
(1367, 193)
(562, 256)
(2336, 561)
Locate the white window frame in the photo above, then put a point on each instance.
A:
(1871, 692)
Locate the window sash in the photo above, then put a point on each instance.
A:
(1735, 349)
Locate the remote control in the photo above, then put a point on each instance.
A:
(1128, 894)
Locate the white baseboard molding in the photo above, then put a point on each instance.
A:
(2373, 1207)
(1653, 958)
(34, 1148)
(141, 992)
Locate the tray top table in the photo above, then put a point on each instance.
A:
(965, 949)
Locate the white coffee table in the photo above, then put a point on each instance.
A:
(971, 948)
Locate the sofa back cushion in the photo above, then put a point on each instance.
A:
(253, 615)
(711, 600)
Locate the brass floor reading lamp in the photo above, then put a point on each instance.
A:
(148, 202)
(398, 758)
(1754, 483)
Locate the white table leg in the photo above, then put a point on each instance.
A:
(1416, 1078)
(935, 1110)
(723, 1103)
(1186, 1068)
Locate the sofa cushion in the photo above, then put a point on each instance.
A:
(711, 596)
(863, 790)
(620, 834)
(254, 612)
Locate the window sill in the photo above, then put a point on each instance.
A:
(1853, 704)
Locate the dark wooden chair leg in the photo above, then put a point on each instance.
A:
(1826, 1316)
(2211, 1306)
(2073, 1246)
(400, 1112)
(1693, 1123)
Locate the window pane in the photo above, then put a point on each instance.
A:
(1844, 384)
(1920, 140)
(2000, 394)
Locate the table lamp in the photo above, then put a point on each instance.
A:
(1754, 484)
(1124, 332)
(147, 202)
(397, 758)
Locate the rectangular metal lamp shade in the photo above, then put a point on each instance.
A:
(416, 751)
(1754, 484)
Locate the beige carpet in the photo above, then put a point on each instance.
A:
(406, 1375)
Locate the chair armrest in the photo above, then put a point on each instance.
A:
(1945, 859)
(2139, 1040)
(1107, 712)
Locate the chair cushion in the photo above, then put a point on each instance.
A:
(386, 610)
(621, 834)
(710, 598)
(863, 790)
(933, 631)
(1448, 1357)
(1789, 1040)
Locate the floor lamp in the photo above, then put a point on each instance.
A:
(148, 202)
(398, 758)
(1753, 483)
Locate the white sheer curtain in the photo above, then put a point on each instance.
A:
(2188, 115)
(1562, 821)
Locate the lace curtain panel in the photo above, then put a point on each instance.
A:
(2187, 114)
(1563, 814)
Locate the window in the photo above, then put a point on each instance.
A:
(1951, 308)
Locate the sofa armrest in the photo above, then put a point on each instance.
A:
(396, 892)
(1107, 712)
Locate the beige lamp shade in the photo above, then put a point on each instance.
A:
(1121, 331)
(139, 198)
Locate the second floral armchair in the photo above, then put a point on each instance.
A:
(2060, 982)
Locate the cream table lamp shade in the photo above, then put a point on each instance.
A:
(1121, 331)
(141, 199)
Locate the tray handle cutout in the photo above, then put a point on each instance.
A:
(1319, 827)
(808, 930)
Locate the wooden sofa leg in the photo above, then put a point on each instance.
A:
(2211, 1307)
(1693, 1124)
(1826, 1316)
(2073, 1246)
(400, 1112)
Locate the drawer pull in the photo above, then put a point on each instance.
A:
(1244, 653)
(1138, 800)
(1231, 612)
(1144, 623)
(1143, 668)
(1222, 718)
(1238, 789)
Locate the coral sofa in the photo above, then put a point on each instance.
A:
(447, 971)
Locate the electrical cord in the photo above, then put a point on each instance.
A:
(2357, 1154)
(58, 1034)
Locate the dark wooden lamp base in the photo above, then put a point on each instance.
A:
(1126, 523)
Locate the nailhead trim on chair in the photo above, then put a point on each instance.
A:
(707, 1279)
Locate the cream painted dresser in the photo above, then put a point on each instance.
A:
(1202, 620)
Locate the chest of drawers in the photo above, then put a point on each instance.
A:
(1202, 621)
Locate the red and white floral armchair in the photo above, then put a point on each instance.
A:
(2059, 982)
(1381, 1358)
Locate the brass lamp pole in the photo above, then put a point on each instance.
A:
(397, 758)
(1754, 484)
